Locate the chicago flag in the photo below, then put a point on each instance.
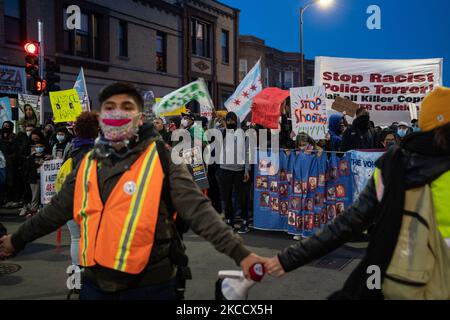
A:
(241, 100)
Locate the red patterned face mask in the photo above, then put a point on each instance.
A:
(118, 125)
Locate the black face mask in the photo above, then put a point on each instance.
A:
(362, 122)
(232, 126)
(389, 144)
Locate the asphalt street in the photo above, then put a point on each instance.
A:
(43, 266)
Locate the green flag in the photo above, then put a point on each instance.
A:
(175, 100)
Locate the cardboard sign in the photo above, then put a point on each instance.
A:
(345, 106)
(66, 105)
(266, 107)
(309, 111)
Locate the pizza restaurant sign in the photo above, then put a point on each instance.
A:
(12, 80)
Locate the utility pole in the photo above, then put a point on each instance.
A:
(41, 67)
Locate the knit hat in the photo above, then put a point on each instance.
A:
(435, 110)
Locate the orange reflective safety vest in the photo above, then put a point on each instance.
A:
(120, 233)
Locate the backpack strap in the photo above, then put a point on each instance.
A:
(163, 153)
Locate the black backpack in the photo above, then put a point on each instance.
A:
(182, 227)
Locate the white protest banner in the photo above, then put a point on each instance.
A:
(363, 166)
(384, 87)
(49, 171)
(309, 111)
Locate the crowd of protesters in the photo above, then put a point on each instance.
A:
(24, 149)
(425, 154)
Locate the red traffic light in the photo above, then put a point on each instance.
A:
(31, 48)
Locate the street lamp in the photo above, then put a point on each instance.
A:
(324, 4)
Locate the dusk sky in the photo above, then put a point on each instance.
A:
(411, 29)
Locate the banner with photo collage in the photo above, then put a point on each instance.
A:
(300, 193)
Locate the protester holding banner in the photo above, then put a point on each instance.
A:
(387, 139)
(408, 198)
(234, 173)
(33, 172)
(336, 129)
(403, 130)
(360, 135)
(49, 133)
(61, 149)
(305, 143)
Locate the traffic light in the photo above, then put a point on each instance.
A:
(39, 86)
(36, 83)
(32, 59)
(51, 70)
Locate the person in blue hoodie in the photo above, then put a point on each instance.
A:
(336, 127)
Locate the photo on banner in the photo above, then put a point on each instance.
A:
(29, 103)
(309, 111)
(66, 105)
(307, 192)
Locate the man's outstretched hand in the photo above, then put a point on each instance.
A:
(6, 247)
(274, 267)
(249, 261)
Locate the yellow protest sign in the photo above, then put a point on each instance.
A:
(173, 113)
(66, 105)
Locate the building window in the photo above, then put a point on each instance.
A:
(201, 39)
(123, 39)
(289, 79)
(267, 77)
(242, 68)
(84, 42)
(225, 46)
(14, 22)
(161, 52)
(280, 78)
(224, 96)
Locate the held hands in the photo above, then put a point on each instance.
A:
(249, 261)
(6, 247)
(274, 267)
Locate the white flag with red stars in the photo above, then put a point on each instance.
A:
(241, 100)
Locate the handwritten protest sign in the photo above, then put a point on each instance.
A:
(49, 172)
(345, 106)
(309, 112)
(66, 105)
(266, 107)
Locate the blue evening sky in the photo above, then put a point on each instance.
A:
(411, 29)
